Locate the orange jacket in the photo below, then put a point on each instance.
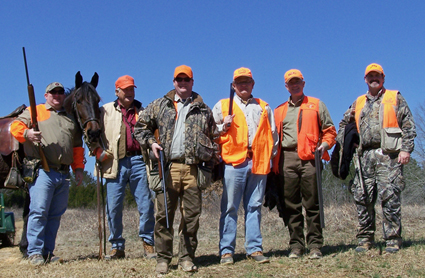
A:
(309, 131)
(61, 136)
(234, 143)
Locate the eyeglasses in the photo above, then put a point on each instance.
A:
(57, 92)
(180, 79)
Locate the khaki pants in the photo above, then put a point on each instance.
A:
(181, 183)
(298, 187)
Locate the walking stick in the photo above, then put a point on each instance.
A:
(99, 214)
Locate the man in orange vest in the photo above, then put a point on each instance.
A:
(304, 125)
(248, 140)
(387, 132)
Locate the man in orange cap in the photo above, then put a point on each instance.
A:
(304, 125)
(387, 132)
(123, 163)
(186, 136)
(248, 141)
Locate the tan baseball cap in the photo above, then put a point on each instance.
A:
(54, 85)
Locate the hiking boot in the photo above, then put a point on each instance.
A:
(259, 257)
(51, 258)
(115, 254)
(149, 252)
(315, 254)
(226, 259)
(393, 246)
(161, 268)
(36, 259)
(296, 253)
(363, 246)
(188, 266)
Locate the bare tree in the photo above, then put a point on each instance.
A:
(419, 116)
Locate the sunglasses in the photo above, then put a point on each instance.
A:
(245, 82)
(57, 92)
(180, 79)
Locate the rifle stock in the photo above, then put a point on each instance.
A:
(34, 123)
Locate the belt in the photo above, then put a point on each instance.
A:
(293, 149)
(133, 153)
(179, 160)
(59, 168)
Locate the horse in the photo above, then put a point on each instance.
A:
(83, 103)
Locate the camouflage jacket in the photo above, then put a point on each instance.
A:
(200, 129)
(370, 125)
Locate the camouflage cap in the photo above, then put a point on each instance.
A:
(54, 85)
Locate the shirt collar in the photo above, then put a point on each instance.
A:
(298, 103)
(179, 99)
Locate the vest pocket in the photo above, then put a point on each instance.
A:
(391, 139)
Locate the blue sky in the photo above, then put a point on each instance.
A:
(331, 42)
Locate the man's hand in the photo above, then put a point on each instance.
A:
(156, 148)
(102, 155)
(79, 176)
(403, 157)
(323, 148)
(34, 136)
(227, 122)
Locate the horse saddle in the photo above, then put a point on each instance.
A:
(8, 142)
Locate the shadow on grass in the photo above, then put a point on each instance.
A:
(327, 250)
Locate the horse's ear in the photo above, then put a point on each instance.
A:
(78, 80)
(94, 79)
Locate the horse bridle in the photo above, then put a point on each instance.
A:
(83, 125)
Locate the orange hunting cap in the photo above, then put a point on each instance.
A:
(124, 82)
(292, 73)
(183, 69)
(374, 67)
(242, 72)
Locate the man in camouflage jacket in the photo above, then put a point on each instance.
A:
(186, 135)
(387, 132)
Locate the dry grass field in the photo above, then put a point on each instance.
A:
(77, 245)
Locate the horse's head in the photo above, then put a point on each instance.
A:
(83, 102)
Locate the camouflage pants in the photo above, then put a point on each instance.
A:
(383, 177)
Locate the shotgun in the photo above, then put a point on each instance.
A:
(232, 94)
(164, 188)
(161, 173)
(358, 168)
(33, 109)
(317, 160)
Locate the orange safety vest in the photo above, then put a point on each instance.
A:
(308, 135)
(389, 104)
(234, 143)
(390, 131)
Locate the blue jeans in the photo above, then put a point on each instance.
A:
(49, 200)
(131, 170)
(240, 183)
